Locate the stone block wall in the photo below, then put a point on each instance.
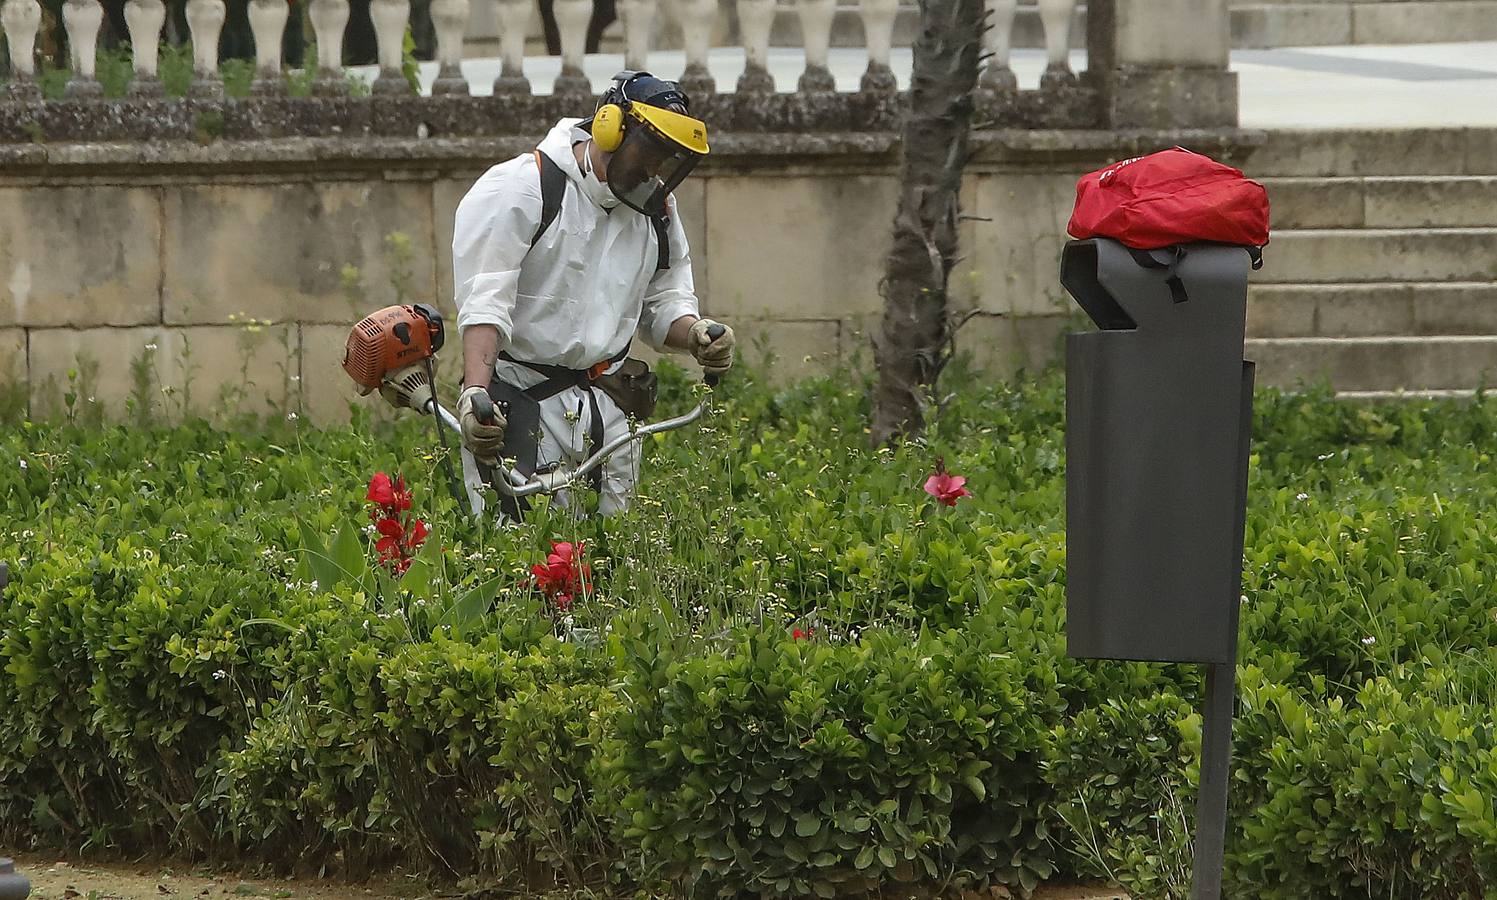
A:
(191, 279)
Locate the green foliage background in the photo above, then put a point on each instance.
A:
(175, 677)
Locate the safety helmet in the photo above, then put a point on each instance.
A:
(645, 123)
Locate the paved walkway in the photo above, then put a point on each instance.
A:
(1412, 86)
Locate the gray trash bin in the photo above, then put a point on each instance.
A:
(1158, 415)
(13, 886)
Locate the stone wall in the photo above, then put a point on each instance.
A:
(224, 277)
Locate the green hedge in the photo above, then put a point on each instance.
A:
(175, 677)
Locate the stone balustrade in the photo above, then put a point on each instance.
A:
(752, 104)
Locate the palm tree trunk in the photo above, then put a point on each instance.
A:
(915, 339)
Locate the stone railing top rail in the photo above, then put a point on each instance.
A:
(460, 116)
(996, 147)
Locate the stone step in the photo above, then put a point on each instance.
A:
(1359, 255)
(1303, 23)
(1359, 152)
(1375, 363)
(1366, 310)
(1409, 201)
(1386, 396)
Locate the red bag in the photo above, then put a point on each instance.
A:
(1170, 197)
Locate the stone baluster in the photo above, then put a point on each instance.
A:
(144, 19)
(1055, 15)
(329, 20)
(205, 20)
(878, 34)
(513, 17)
(572, 17)
(997, 76)
(755, 22)
(83, 18)
(816, 35)
(697, 19)
(21, 19)
(449, 18)
(390, 18)
(639, 18)
(267, 19)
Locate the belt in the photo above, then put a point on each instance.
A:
(558, 379)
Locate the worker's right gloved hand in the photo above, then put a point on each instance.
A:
(483, 439)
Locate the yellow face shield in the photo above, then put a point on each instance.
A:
(659, 150)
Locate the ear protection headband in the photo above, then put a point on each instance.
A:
(608, 121)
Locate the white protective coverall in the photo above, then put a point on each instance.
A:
(574, 299)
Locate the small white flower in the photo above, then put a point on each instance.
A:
(1302, 496)
(1369, 640)
(296, 378)
(151, 346)
(220, 675)
(291, 416)
(420, 601)
(313, 585)
(1325, 456)
(1244, 598)
(23, 464)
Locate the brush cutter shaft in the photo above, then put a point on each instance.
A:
(516, 485)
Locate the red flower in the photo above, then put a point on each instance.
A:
(400, 534)
(797, 634)
(380, 490)
(563, 575)
(401, 495)
(944, 486)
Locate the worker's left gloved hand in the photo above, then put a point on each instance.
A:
(715, 356)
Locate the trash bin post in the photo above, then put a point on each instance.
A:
(1158, 430)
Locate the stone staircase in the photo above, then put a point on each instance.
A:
(1297, 23)
(1378, 280)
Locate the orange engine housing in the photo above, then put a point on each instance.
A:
(389, 339)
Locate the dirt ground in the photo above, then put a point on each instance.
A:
(55, 879)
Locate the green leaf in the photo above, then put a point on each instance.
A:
(471, 605)
(807, 824)
(975, 785)
(316, 564)
(348, 553)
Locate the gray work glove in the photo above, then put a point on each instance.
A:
(715, 357)
(482, 440)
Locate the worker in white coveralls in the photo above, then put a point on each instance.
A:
(559, 257)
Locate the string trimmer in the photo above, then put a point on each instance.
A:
(393, 351)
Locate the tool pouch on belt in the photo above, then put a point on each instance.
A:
(522, 430)
(633, 387)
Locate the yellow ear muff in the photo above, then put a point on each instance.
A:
(608, 127)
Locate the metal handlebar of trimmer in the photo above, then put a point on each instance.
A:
(516, 485)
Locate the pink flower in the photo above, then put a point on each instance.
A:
(944, 486)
